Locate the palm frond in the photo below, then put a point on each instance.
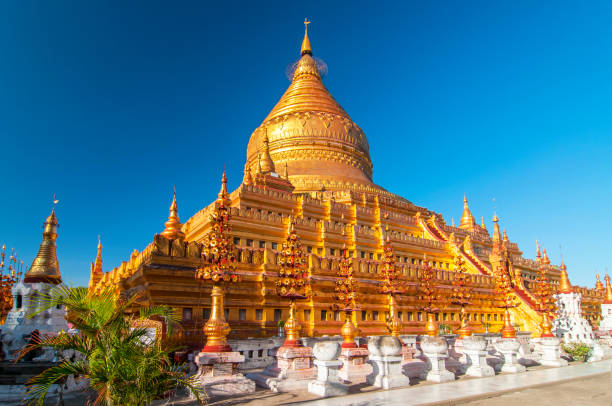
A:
(39, 386)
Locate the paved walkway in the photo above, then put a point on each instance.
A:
(466, 389)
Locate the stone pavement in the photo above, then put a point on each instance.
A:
(469, 389)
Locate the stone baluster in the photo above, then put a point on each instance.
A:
(508, 347)
(435, 352)
(386, 359)
(327, 363)
(474, 348)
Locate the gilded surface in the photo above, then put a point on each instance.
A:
(45, 267)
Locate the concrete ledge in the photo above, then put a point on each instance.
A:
(464, 390)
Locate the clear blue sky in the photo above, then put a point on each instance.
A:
(111, 103)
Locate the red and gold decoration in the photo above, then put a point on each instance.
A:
(218, 266)
(7, 281)
(504, 291)
(392, 285)
(545, 303)
(461, 295)
(293, 281)
(346, 293)
(430, 296)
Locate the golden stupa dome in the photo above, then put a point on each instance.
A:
(311, 135)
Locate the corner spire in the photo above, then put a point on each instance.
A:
(598, 285)
(496, 234)
(545, 259)
(173, 225)
(564, 284)
(306, 48)
(96, 267)
(608, 299)
(268, 164)
(482, 223)
(45, 267)
(538, 253)
(467, 219)
(223, 195)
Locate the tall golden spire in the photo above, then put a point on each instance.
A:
(482, 223)
(538, 253)
(608, 299)
(223, 195)
(496, 234)
(45, 267)
(564, 284)
(467, 219)
(598, 285)
(267, 165)
(96, 267)
(545, 259)
(173, 225)
(306, 48)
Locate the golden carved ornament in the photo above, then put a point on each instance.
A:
(218, 266)
(293, 281)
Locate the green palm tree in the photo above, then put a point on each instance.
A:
(123, 365)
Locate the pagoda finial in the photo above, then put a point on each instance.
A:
(598, 285)
(564, 284)
(608, 299)
(545, 259)
(223, 196)
(538, 253)
(453, 221)
(306, 48)
(467, 219)
(482, 223)
(173, 225)
(96, 266)
(267, 165)
(45, 267)
(248, 179)
(286, 174)
(505, 236)
(496, 234)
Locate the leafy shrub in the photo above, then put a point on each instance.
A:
(578, 351)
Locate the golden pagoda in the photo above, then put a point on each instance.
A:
(45, 267)
(327, 194)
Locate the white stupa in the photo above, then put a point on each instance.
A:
(605, 325)
(569, 324)
(43, 275)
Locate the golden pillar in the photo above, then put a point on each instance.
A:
(465, 330)
(431, 327)
(292, 327)
(508, 331)
(348, 330)
(394, 324)
(216, 328)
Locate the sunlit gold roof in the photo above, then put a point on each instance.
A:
(311, 133)
(45, 267)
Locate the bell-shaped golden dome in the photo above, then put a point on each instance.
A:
(309, 133)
